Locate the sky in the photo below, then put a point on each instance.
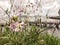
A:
(52, 5)
(4, 4)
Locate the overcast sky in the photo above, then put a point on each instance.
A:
(53, 5)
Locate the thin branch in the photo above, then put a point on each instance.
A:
(11, 4)
(8, 13)
(47, 11)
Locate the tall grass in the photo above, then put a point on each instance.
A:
(27, 37)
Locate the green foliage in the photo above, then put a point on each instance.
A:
(27, 37)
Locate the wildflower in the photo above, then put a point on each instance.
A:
(13, 25)
(22, 25)
(16, 26)
(14, 18)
